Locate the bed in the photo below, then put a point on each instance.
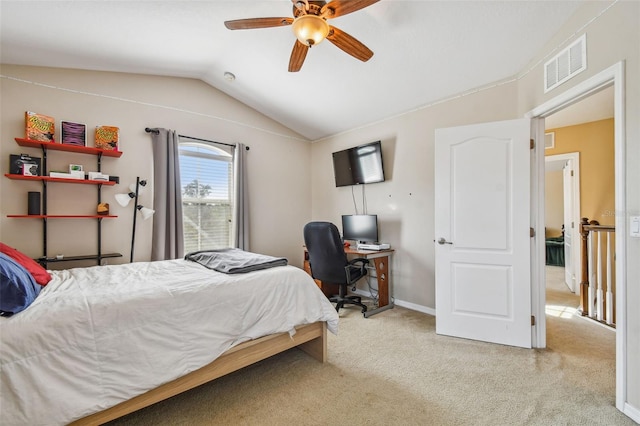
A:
(555, 251)
(100, 342)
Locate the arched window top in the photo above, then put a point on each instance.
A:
(204, 150)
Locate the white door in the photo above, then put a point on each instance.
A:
(568, 181)
(482, 222)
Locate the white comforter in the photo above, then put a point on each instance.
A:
(97, 336)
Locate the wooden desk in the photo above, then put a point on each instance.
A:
(381, 260)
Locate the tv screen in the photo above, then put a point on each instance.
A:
(358, 165)
(360, 228)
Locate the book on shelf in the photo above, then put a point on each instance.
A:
(39, 127)
(107, 137)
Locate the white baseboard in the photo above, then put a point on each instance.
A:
(408, 305)
(415, 307)
(632, 412)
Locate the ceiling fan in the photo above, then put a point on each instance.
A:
(310, 26)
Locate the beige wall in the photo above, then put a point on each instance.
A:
(278, 161)
(595, 143)
(613, 35)
(405, 202)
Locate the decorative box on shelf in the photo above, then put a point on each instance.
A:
(73, 133)
(98, 176)
(107, 137)
(19, 163)
(39, 127)
(72, 175)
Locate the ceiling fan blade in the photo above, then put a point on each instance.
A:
(342, 7)
(251, 23)
(298, 55)
(349, 44)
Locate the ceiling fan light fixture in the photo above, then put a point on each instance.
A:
(310, 29)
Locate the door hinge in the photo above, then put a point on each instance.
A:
(532, 232)
(571, 173)
(533, 320)
(532, 144)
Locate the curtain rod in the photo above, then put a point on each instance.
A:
(156, 131)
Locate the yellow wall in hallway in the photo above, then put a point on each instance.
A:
(595, 143)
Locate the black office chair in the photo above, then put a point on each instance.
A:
(329, 263)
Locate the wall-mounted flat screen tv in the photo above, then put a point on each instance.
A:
(358, 165)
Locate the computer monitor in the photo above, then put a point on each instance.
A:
(360, 228)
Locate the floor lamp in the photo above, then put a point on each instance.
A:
(124, 199)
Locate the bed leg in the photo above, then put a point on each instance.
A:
(317, 347)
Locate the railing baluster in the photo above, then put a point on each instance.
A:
(610, 266)
(596, 273)
(596, 300)
(584, 276)
(592, 279)
(599, 292)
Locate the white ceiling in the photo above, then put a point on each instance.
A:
(424, 51)
(596, 107)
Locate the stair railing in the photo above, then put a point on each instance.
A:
(597, 288)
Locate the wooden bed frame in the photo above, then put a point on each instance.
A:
(311, 338)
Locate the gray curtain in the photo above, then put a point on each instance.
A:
(240, 199)
(167, 240)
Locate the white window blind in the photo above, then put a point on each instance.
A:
(206, 175)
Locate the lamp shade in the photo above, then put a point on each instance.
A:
(310, 29)
(141, 187)
(123, 199)
(146, 213)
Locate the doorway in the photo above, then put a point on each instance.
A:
(610, 77)
(562, 215)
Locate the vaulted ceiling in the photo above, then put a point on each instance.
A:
(424, 51)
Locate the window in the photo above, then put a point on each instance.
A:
(206, 175)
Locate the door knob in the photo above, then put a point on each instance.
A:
(442, 241)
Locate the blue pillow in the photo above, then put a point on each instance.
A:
(18, 289)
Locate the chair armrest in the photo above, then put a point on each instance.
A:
(358, 263)
(359, 259)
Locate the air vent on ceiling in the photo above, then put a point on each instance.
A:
(566, 64)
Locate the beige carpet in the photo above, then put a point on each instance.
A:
(392, 369)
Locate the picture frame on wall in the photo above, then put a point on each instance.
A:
(73, 133)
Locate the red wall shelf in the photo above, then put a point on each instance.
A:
(74, 258)
(67, 147)
(60, 216)
(62, 180)
(44, 218)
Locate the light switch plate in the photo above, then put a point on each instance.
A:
(634, 226)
